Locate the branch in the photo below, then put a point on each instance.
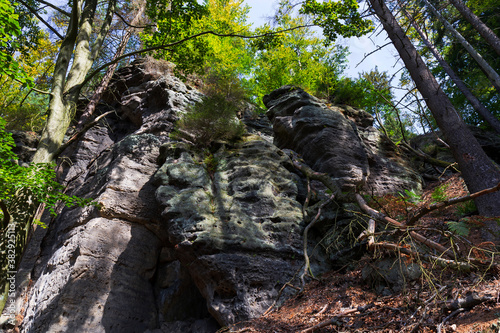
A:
(55, 7)
(322, 177)
(78, 135)
(450, 202)
(366, 55)
(32, 10)
(426, 158)
(37, 90)
(131, 25)
(166, 46)
(335, 320)
(381, 217)
(459, 265)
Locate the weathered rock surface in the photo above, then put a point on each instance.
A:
(236, 225)
(97, 265)
(186, 240)
(338, 140)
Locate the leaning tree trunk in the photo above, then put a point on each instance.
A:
(488, 70)
(96, 97)
(476, 104)
(485, 32)
(66, 85)
(478, 171)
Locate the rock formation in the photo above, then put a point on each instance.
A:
(338, 140)
(184, 240)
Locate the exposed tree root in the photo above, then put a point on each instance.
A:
(307, 266)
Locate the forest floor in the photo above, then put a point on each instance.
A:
(342, 301)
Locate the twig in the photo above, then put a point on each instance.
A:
(381, 217)
(334, 320)
(454, 313)
(460, 265)
(450, 202)
(288, 284)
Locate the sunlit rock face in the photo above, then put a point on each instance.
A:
(236, 225)
(338, 140)
(185, 240)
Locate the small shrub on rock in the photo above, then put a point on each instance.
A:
(213, 118)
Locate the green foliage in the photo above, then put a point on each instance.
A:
(338, 18)
(298, 57)
(372, 92)
(350, 92)
(439, 194)
(9, 30)
(23, 108)
(461, 228)
(38, 179)
(214, 118)
(410, 196)
(466, 208)
(459, 59)
(210, 162)
(175, 21)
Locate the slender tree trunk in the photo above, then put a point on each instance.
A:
(96, 97)
(476, 104)
(488, 70)
(478, 171)
(66, 85)
(485, 32)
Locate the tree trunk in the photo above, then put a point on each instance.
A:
(488, 70)
(477, 169)
(485, 32)
(96, 97)
(66, 85)
(476, 104)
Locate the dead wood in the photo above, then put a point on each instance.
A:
(450, 202)
(382, 217)
(335, 320)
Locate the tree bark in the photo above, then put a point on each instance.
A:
(66, 84)
(478, 171)
(488, 70)
(96, 97)
(485, 32)
(476, 104)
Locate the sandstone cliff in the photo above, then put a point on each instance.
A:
(176, 245)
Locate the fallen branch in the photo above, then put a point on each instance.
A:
(381, 217)
(428, 159)
(471, 300)
(322, 177)
(334, 320)
(288, 284)
(459, 265)
(450, 202)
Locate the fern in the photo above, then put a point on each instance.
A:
(461, 228)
